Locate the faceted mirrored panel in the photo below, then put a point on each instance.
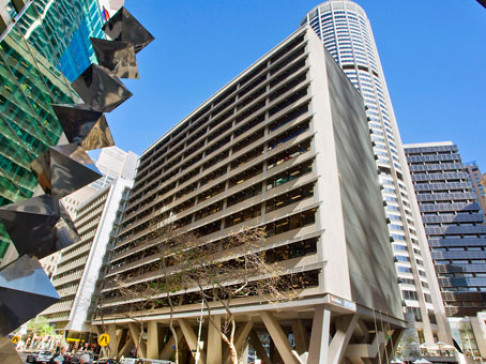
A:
(99, 136)
(123, 27)
(8, 354)
(38, 226)
(63, 169)
(100, 90)
(66, 231)
(116, 57)
(25, 291)
(84, 126)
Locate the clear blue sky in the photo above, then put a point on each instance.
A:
(433, 53)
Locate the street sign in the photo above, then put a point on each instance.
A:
(104, 340)
(15, 339)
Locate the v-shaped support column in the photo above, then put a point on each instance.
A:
(279, 339)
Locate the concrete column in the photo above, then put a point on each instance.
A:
(127, 347)
(319, 340)
(300, 336)
(344, 329)
(241, 337)
(393, 343)
(136, 336)
(479, 334)
(191, 340)
(214, 341)
(153, 340)
(279, 338)
(243, 354)
(169, 347)
(113, 345)
(257, 345)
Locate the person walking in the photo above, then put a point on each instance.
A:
(59, 359)
(84, 359)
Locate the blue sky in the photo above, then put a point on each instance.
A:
(433, 54)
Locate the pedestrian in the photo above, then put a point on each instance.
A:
(59, 359)
(84, 359)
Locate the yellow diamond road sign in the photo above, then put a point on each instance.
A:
(15, 339)
(104, 340)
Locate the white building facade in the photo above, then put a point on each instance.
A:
(284, 146)
(80, 264)
(346, 32)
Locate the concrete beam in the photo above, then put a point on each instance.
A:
(136, 335)
(191, 340)
(319, 340)
(344, 329)
(126, 348)
(279, 338)
(169, 347)
(362, 330)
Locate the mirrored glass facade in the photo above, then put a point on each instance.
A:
(40, 54)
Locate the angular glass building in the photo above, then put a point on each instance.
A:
(345, 31)
(43, 47)
(453, 222)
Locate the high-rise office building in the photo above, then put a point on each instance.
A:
(79, 266)
(452, 219)
(345, 31)
(44, 45)
(284, 146)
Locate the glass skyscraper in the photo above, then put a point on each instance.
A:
(453, 222)
(45, 47)
(346, 32)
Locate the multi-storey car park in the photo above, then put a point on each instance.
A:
(345, 31)
(284, 146)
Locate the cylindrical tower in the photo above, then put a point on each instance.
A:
(345, 31)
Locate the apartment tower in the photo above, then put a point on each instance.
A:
(345, 31)
(453, 222)
(284, 146)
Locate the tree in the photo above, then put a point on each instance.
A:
(219, 273)
(40, 326)
(36, 324)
